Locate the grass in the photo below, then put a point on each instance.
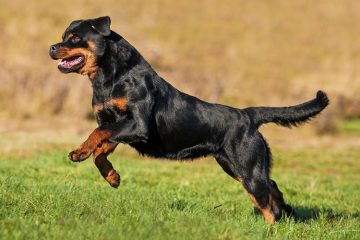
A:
(44, 195)
(351, 126)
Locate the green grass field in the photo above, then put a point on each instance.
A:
(44, 195)
(235, 52)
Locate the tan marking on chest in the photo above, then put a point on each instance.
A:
(119, 103)
(97, 108)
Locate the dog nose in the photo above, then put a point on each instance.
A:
(53, 50)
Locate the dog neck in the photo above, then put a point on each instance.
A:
(118, 60)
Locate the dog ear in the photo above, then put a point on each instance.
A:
(101, 25)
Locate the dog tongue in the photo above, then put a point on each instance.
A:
(71, 61)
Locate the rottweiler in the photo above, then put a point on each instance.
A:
(132, 104)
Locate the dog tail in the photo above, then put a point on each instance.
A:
(289, 116)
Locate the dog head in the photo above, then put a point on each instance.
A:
(83, 44)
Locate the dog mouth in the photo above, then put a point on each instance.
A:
(72, 63)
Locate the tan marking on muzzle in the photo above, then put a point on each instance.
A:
(90, 65)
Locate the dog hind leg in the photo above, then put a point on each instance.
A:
(277, 196)
(248, 161)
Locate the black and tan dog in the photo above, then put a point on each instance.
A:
(133, 105)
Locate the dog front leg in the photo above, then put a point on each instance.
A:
(104, 165)
(94, 140)
(125, 131)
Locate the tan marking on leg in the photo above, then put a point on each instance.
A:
(104, 165)
(96, 138)
(266, 211)
(90, 145)
(106, 147)
(107, 171)
(268, 215)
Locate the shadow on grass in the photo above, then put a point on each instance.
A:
(305, 214)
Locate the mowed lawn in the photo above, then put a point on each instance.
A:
(44, 195)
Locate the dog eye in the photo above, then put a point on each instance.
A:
(75, 39)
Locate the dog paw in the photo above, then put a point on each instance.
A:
(113, 178)
(79, 155)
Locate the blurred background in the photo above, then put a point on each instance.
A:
(235, 52)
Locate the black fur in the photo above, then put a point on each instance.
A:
(289, 116)
(163, 122)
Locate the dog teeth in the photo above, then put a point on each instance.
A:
(66, 63)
